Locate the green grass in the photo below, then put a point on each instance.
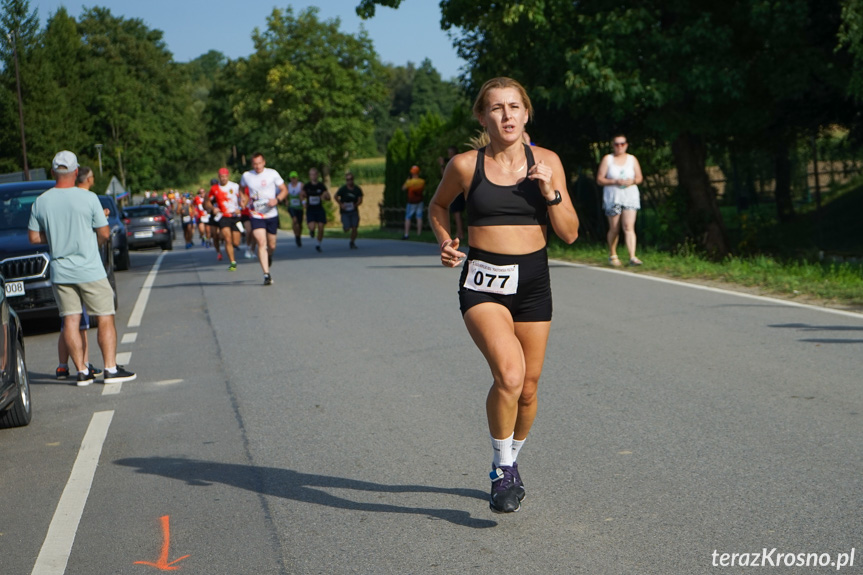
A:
(836, 284)
(794, 273)
(369, 170)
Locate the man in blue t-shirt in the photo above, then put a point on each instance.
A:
(71, 221)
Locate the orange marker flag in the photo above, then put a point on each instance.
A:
(162, 564)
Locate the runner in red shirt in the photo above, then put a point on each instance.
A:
(201, 216)
(213, 225)
(228, 201)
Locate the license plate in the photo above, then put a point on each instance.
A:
(14, 289)
(143, 234)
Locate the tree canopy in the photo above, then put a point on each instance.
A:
(693, 74)
(305, 96)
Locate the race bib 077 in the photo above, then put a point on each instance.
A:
(484, 277)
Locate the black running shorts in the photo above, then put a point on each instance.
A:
(532, 299)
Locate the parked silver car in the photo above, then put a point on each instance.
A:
(147, 225)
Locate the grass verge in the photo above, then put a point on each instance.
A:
(838, 285)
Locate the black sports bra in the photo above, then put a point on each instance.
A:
(489, 204)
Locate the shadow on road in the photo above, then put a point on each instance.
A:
(822, 328)
(304, 487)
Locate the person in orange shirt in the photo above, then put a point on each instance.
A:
(227, 201)
(415, 186)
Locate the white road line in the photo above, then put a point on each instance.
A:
(124, 357)
(141, 304)
(129, 337)
(61, 533)
(168, 382)
(112, 388)
(762, 298)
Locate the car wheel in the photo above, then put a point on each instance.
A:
(21, 411)
(124, 263)
(168, 246)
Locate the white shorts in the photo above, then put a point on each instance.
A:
(616, 199)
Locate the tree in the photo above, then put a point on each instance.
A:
(18, 35)
(56, 112)
(137, 102)
(851, 39)
(664, 70)
(413, 93)
(22, 27)
(691, 73)
(366, 8)
(305, 97)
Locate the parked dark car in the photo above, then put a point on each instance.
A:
(118, 228)
(15, 407)
(25, 265)
(147, 225)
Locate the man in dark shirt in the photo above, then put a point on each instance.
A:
(349, 197)
(315, 194)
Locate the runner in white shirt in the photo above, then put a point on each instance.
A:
(265, 188)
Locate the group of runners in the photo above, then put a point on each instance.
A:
(230, 212)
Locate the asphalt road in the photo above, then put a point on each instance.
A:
(334, 423)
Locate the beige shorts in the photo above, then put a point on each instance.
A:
(97, 296)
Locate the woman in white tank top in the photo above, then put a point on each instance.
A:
(619, 174)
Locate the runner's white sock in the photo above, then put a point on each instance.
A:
(111, 370)
(502, 451)
(516, 447)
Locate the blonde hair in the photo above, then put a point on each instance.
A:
(480, 140)
(480, 103)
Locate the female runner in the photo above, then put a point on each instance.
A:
(513, 191)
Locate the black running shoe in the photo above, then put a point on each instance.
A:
(503, 497)
(85, 379)
(318, 248)
(119, 376)
(268, 280)
(61, 373)
(353, 246)
(516, 479)
(94, 370)
(299, 241)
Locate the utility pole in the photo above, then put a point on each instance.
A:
(13, 41)
(99, 151)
